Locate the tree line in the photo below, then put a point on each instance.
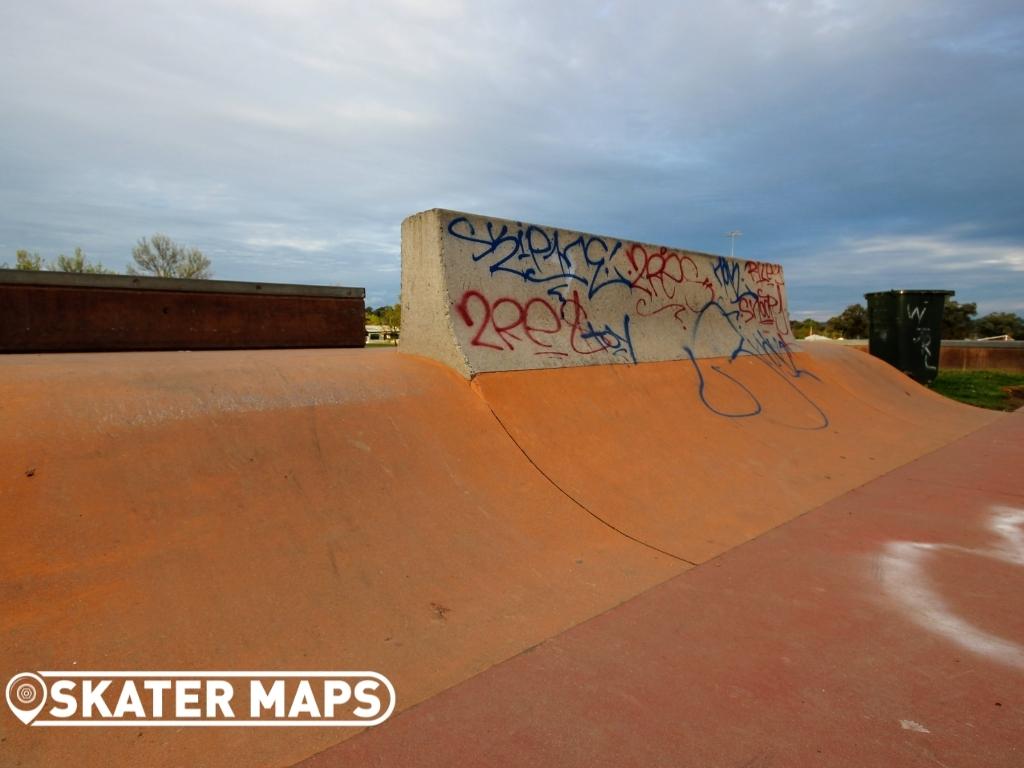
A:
(158, 256)
(958, 322)
(388, 316)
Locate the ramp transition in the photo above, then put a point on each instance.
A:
(876, 631)
(317, 509)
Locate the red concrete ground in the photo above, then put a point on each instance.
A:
(883, 628)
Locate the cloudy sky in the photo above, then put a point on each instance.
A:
(864, 145)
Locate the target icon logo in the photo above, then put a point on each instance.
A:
(26, 695)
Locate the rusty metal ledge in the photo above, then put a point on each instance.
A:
(135, 282)
(60, 312)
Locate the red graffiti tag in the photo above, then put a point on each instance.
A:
(660, 275)
(763, 272)
(758, 308)
(505, 323)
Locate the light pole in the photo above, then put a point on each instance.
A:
(732, 241)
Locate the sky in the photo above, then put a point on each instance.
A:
(863, 145)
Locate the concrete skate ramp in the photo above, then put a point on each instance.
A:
(332, 509)
(694, 458)
(878, 630)
(724, 430)
(275, 510)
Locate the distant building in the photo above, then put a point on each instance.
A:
(381, 333)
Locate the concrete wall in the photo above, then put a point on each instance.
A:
(483, 294)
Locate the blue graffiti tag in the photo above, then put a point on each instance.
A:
(566, 263)
(536, 256)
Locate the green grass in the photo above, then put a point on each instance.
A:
(987, 389)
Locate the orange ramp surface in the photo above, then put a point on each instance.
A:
(364, 509)
(276, 510)
(695, 475)
(881, 629)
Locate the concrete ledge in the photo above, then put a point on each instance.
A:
(482, 294)
(60, 312)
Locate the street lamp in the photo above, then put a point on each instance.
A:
(732, 241)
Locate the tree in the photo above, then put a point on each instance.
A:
(851, 323)
(391, 316)
(162, 257)
(391, 319)
(804, 328)
(79, 263)
(957, 322)
(28, 261)
(999, 323)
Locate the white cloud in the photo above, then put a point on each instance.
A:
(290, 137)
(940, 252)
(294, 243)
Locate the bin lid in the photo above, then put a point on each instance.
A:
(929, 292)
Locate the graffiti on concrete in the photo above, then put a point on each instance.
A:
(904, 570)
(548, 293)
(504, 322)
(922, 335)
(539, 255)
